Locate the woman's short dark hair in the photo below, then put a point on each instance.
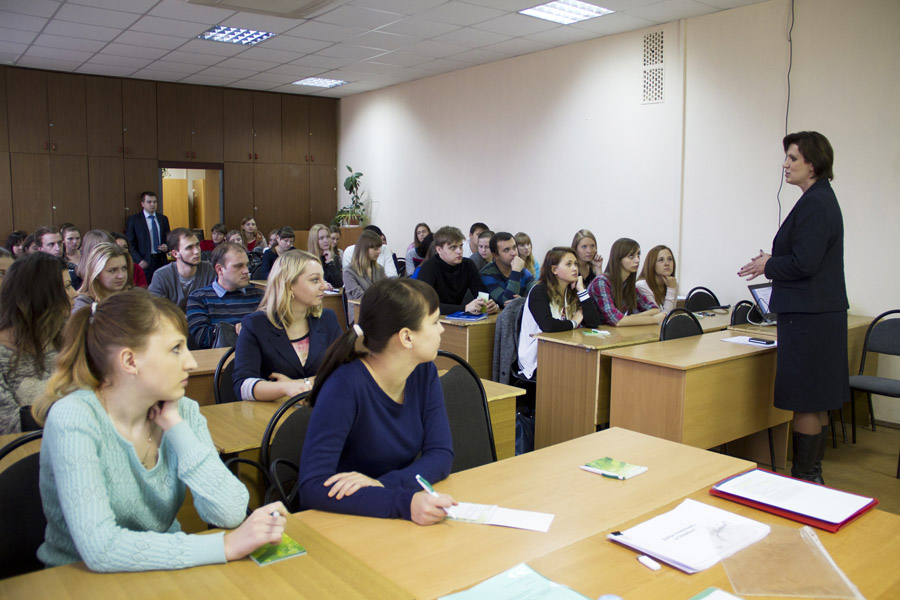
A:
(15, 238)
(816, 150)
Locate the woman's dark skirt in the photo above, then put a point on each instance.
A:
(812, 370)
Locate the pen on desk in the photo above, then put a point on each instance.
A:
(649, 562)
(427, 487)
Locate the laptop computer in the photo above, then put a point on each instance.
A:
(762, 294)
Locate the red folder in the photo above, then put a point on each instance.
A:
(794, 516)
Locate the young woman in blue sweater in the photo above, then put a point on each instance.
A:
(379, 417)
(121, 443)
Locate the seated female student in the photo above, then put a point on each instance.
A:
(33, 309)
(234, 236)
(379, 417)
(282, 344)
(139, 279)
(419, 254)
(590, 263)
(413, 256)
(121, 443)
(615, 290)
(557, 302)
(364, 269)
(15, 243)
(657, 281)
(107, 271)
(335, 235)
(319, 245)
(88, 241)
(523, 247)
(483, 256)
(71, 238)
(250, 234)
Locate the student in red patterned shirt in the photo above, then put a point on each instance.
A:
(615, 291)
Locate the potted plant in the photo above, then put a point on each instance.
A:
(354, 213)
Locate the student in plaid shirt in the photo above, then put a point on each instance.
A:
(615, 291)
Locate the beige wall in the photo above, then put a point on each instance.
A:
(558, 140)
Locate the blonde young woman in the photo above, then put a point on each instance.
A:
(122, 443)
(282, 344)
(590, 263)
(526, 252)
(364, 269)
(108, 269)
(319, 245)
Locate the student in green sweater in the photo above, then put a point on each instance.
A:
(121, 443)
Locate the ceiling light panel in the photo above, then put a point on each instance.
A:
(234, 35)
(320, 82)
(566, 12)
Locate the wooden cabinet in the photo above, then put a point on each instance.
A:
(141, 175)
(6, 207)
(252, 126)
(238, 193)
(103, 100)
(46, 112)
(275, 195)
(189, 122)
(49, 189)
(69, 190)
(322, 194)
(139, 118)
(309, 130)
(107, 192)
(65, 102)
(4, 128)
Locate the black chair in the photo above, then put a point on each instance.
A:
(467, 411)
(223, 389)
(280, 451)
(741, 312)
(701, 298)
(22, 521)
(679, 323)
(883, 337)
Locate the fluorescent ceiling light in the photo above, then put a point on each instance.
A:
(233, 35)
(320, 82)
(566, 12)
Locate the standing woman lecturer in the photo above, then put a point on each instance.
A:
(808, 293)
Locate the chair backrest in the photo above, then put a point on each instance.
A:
(282, 447)
(506, 341)
(740, 312)
(22, 521)
(223, 390)
(700, 298)
(882, 336)
(678, 324)
(470, 419)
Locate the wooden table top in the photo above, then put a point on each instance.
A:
(853, 322)
(324, 572)
(451, 556)
(496, 391)
(238, 426)
(626, 336)
(491, 320)
(207, 360)
(690, 352)
(597, 566)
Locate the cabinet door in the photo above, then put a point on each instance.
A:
(26, 96)
(139, 118)
(65, 101)
(238, 192)
(237, 109)
(295, 129)
(31, 190)
(103, 100)
(107, 189)
(294, 194)
(69, 190)
(173, 119)
(141, 175)
(323, 131)
(6, 209)
(206, 123)
(266, 127)
(322, 193)
(4, 128)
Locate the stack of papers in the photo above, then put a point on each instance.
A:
(693, 536)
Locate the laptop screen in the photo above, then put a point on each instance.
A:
(762, 293)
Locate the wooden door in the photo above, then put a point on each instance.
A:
(238, 192)
(323, 131)
(103, 101)
(139, 118)
(31, 190)
(173, 120)
(294, 191)
(4, 127)
(267, 198)
(141, 175)
(322, 193)
(266, 127)
(237, 110)
(107, 191)
(6, 207)
(26, 97)
(65, 102)
(69, 190)
(295, 129)
(206, 123)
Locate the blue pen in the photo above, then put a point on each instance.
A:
(427, 487)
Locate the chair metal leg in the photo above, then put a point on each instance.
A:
(853, 414)
(843, 425)
(871, 412)
(772, 450)
(831, 426)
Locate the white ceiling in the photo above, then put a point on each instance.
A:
(369, 43)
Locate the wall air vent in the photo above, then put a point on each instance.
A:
(654, 68)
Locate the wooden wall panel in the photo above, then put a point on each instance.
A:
(26, 97)
(31, 190)
(6, 206)
(69, 190)
(106, 175)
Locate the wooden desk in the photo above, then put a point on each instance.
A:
(324, 572)
(502, 408)
(697, 390)
(596, 566)
(573, 378)
(200, 383)
(431, 561)
(472, 341)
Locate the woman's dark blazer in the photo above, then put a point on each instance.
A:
(263, 349)
(807, 263)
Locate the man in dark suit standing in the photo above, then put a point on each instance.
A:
(146, 233)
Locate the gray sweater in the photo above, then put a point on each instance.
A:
(167, 284)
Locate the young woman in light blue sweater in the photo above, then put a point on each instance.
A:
(121, 443)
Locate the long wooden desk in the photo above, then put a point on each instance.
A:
(573, 378)
(200, 383)
(699, 391)
(473, 341)
(596, 566)
(431, 561)
(324, 572)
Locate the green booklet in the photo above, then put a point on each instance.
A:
(272, 553)
(612, 468)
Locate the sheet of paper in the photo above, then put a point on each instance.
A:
(745, 340)
(519, 583)
(489, 514)
(832, 506)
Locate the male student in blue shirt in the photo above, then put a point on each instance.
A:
(506, 276)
